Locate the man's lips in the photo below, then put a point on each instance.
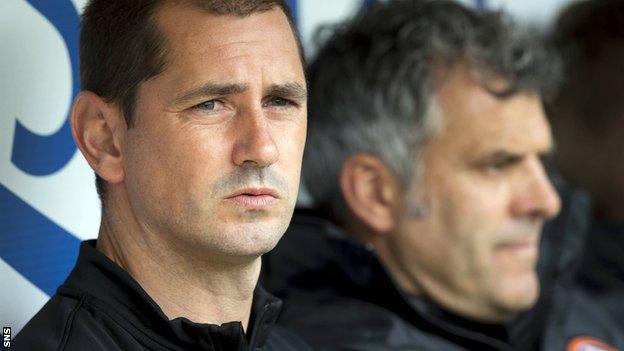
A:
(254, 197)
(525, 247)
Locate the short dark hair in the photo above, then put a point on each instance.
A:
(121, 45)
(590, 37)
(372, 82)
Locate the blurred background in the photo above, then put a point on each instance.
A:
(48, 202)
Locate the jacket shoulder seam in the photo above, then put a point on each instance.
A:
(69, 324)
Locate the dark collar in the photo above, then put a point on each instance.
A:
(495, 332)
(103, 285)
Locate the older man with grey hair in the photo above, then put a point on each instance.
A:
(426, 140)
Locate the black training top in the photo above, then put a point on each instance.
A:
(101, 307)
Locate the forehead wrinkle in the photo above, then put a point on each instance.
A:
(223, 46)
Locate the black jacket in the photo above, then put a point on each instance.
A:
(338, 296)
(101, 307)
(602, 269)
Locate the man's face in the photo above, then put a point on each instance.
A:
(213, 160)
(487, 194)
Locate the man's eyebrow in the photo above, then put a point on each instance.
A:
(210, 89)
(505, 154)
(293, 91)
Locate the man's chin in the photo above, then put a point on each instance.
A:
(254, 238)
(520, 295)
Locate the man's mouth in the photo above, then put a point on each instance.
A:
(257, 198)
(525, 247)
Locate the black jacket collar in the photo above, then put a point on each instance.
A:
(104, 285)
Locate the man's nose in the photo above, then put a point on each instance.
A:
(538, 198)
(255, 143)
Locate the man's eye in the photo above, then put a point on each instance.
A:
(498, 166)
(210, 105)
(501, 165)
(281, 103)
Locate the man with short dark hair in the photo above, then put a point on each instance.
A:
(424, 161)
(193, 116)
(588, 124)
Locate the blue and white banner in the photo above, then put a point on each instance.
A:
(48, 202)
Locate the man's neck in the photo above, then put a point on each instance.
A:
(183, 284)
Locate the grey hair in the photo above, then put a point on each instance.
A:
(372, 84)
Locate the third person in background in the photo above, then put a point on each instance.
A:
(588, 124)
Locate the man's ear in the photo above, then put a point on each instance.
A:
(371, 191)
(97, 127)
